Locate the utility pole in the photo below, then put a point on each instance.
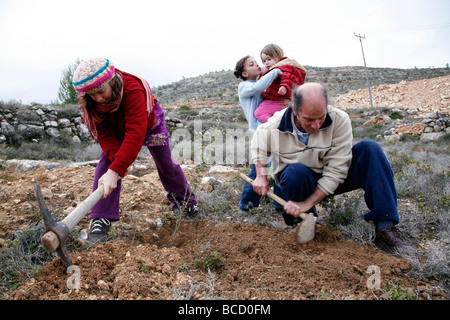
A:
(360, 37)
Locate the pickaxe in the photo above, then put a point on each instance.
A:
(56, 233)
(307, 227)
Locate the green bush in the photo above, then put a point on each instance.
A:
(213, 261)
(66, 92)
(395, 115)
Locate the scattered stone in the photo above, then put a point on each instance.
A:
(103, 285)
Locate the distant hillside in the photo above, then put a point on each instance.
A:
(221, 87)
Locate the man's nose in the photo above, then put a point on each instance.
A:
(316, 125)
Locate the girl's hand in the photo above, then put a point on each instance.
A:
(109, 182)
(282, 91)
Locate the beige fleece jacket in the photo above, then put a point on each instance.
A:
(328, 152)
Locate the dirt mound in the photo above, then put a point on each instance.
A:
(160, 257)
(259, 263)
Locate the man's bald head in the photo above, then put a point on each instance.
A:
(314, 93)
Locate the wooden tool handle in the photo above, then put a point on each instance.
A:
(83, 208)
(50, 240)
(270, 194)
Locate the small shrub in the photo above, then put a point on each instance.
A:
(11, 105)
(396, 115)
(342, 210)
(397, 292)
(143, 268)
(371, 132)
(184, 107)
(409, 137)
(22, 257)
(213, 261)
(59, 148)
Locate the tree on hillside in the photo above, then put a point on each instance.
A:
(67, 93)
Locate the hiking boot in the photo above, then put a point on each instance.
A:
(99, 228)
(391, 241)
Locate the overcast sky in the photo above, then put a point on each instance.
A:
(164, 41)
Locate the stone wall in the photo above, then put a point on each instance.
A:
(431, 127)
(35, 123)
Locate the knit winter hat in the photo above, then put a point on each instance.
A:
(92, 73)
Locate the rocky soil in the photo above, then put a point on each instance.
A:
(428, 101)
(420, 97)
(155, 255)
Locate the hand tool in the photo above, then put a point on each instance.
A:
(57, 232)
(306, 228)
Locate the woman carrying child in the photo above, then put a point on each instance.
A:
(249, 91)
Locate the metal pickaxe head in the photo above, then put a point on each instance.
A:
(307, 228)
(60, 229)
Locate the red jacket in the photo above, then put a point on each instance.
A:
(293, 74)
(131, 121)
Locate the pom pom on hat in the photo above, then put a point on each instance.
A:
(92, 73)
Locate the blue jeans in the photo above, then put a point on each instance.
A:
(369, 170)
(250, 199)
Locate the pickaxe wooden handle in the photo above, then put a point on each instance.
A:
(306, 229)
(51, 241)
(270, 194)
(57, 232)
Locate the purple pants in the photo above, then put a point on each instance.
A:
(170, 173)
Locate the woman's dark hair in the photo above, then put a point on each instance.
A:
(116, 86)
(239, 69)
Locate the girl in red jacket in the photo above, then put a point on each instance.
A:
(121, 112)
(278, 95)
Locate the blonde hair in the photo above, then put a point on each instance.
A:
(273, 51)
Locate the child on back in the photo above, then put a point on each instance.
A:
(278, 95)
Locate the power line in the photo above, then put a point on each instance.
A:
(360, 37)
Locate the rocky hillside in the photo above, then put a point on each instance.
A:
(221, 87)
(418, 97)
(19, 124)
(426, 101)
